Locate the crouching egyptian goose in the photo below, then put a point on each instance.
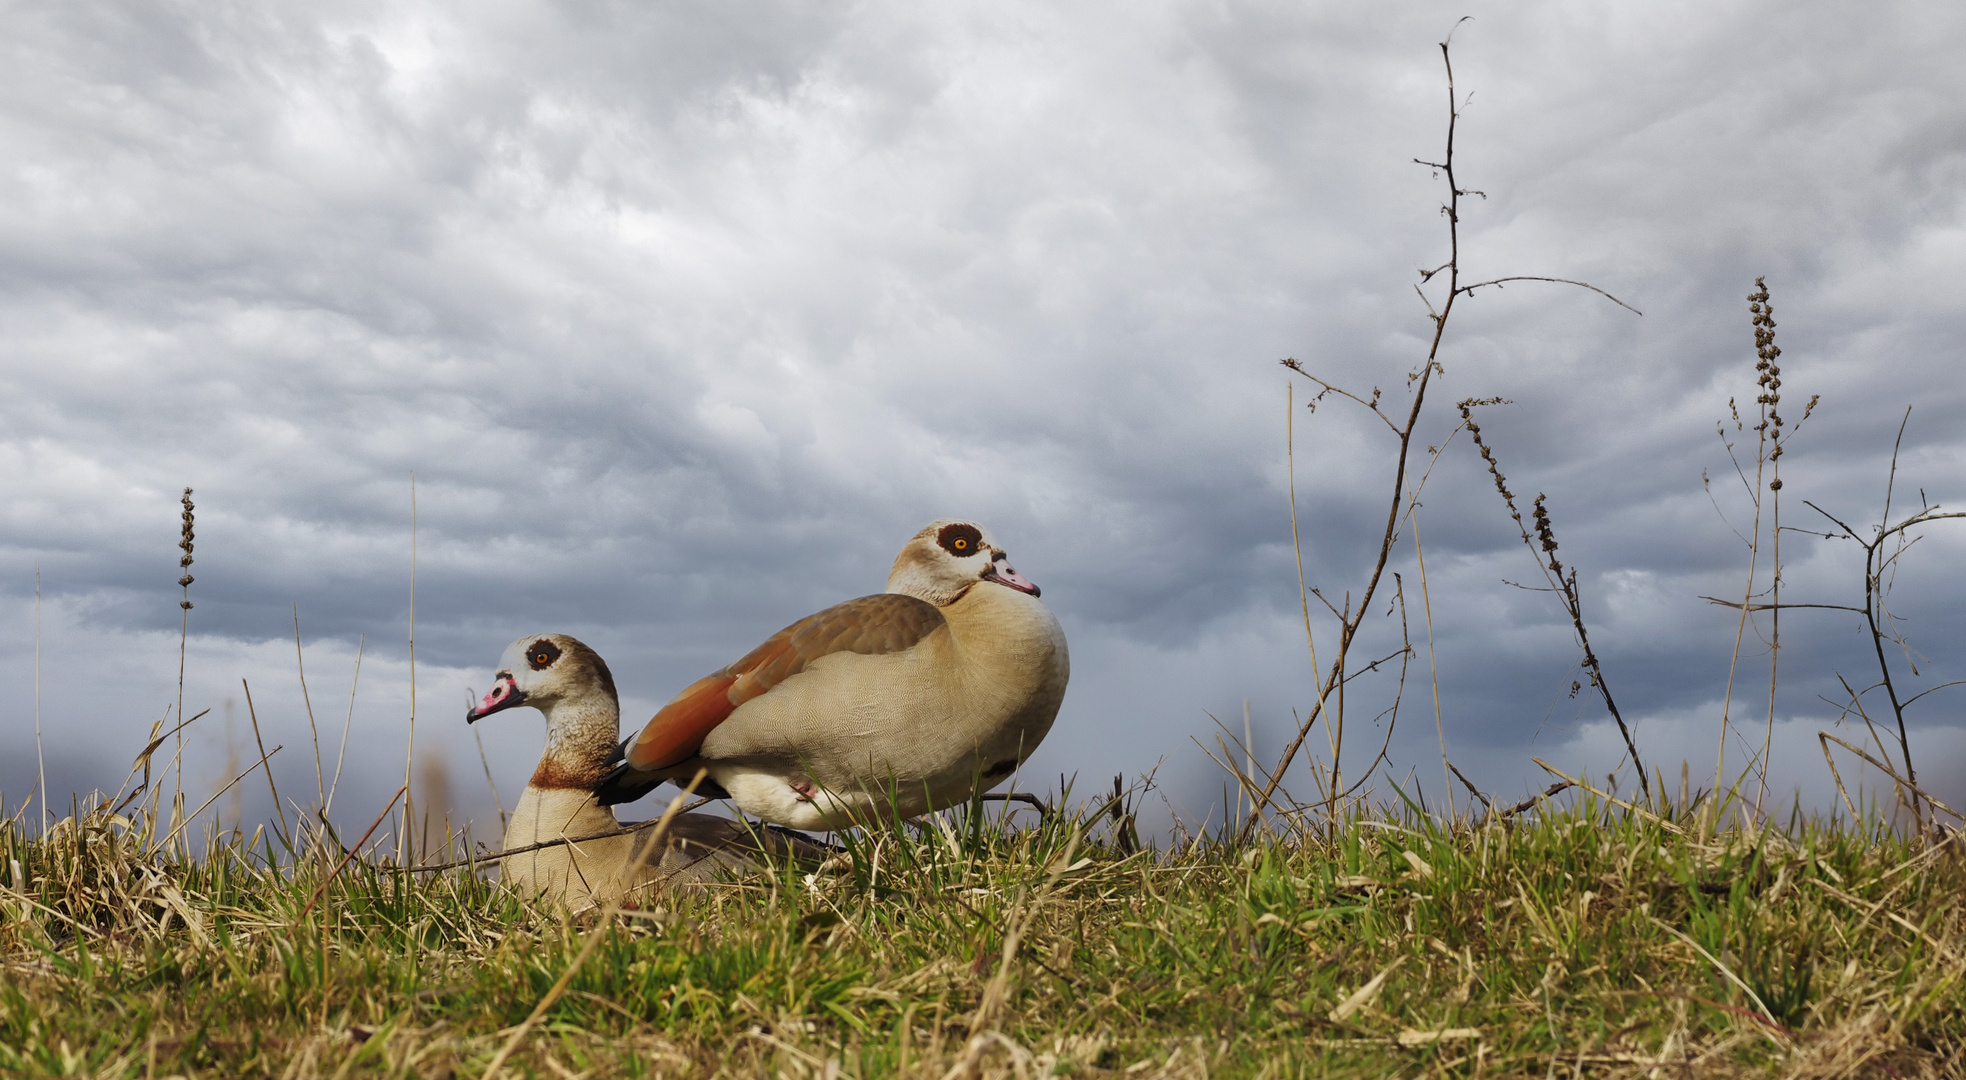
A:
(571, 684)
(903, 702)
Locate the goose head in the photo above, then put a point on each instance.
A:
(571, 684)
(548, 671)
(948, 558)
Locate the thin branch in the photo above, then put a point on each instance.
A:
(1888, 771)
(497, 856)
(379, 818)
(1352, 619)
(1778, 607)
(1472, 790)
(253, 715)
(1890, 483)
(1560, 281)
(1554, 789)
(1941, 686)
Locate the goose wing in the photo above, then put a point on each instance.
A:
(869, 625)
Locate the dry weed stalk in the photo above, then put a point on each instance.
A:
(1886, 543)
(1330, 703)
(403, 853)
(361, 644)
(1882, 551)
(185, 536)
(314, 733)
(40, 760)
(1562, 580)
(1770, 440)
(1768, 376)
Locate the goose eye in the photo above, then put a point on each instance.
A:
(960, 539)
(542, 654)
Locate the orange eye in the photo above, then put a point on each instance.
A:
(959, 538)
(541, 659)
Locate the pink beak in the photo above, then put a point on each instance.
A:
(1003, 573)
(503, 695)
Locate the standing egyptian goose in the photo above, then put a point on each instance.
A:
(571, 684)
(903, 702)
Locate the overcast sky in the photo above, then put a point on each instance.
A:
(685, 316)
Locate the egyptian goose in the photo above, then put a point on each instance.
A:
(903, 702)
(571, 684)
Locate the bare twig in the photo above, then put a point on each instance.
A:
(1608, 797)
(185, 536)
(497, 802)
(1828, 758)
(1497, 282)
(1469, 784)
(1774, 607)
(560, 841)
(1544, 546)
(1025, 797)
(263, 762)
(142, 760)
(41, 762)
(1892, 773)
(278, 807)
(1350, 617)
(361, 643)
(379, 819)
(300, 665)
(1878, 619)
(409, 752)
(1554, 789)
(1769, 379)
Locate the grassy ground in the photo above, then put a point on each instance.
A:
(1584, 940)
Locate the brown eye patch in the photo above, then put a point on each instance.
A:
(542, 654)
(960, 539)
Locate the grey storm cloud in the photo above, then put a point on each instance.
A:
(684, 316)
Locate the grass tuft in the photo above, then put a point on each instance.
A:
(1581, 937)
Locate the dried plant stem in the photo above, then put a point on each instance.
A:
(1296, 544)
(361, 642)
(1774, 635)
(326, 881)
(264, 761)
(403, 852)
(1877, 616)
(1433, 669)
(278, 807)
(1561, 581)
(497, 802)
(1829, 759)
(1874, 566)
(40, 760)
(1770, 381)
(300, 665)
(1753, 542)
(1826, 738)
(558, 841)
(1733, 663)
(1351, 617)
(186, 530)
(1349, 623)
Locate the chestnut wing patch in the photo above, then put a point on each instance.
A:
(869, 625)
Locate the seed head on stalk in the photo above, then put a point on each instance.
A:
(185, 533)
(185, 543)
